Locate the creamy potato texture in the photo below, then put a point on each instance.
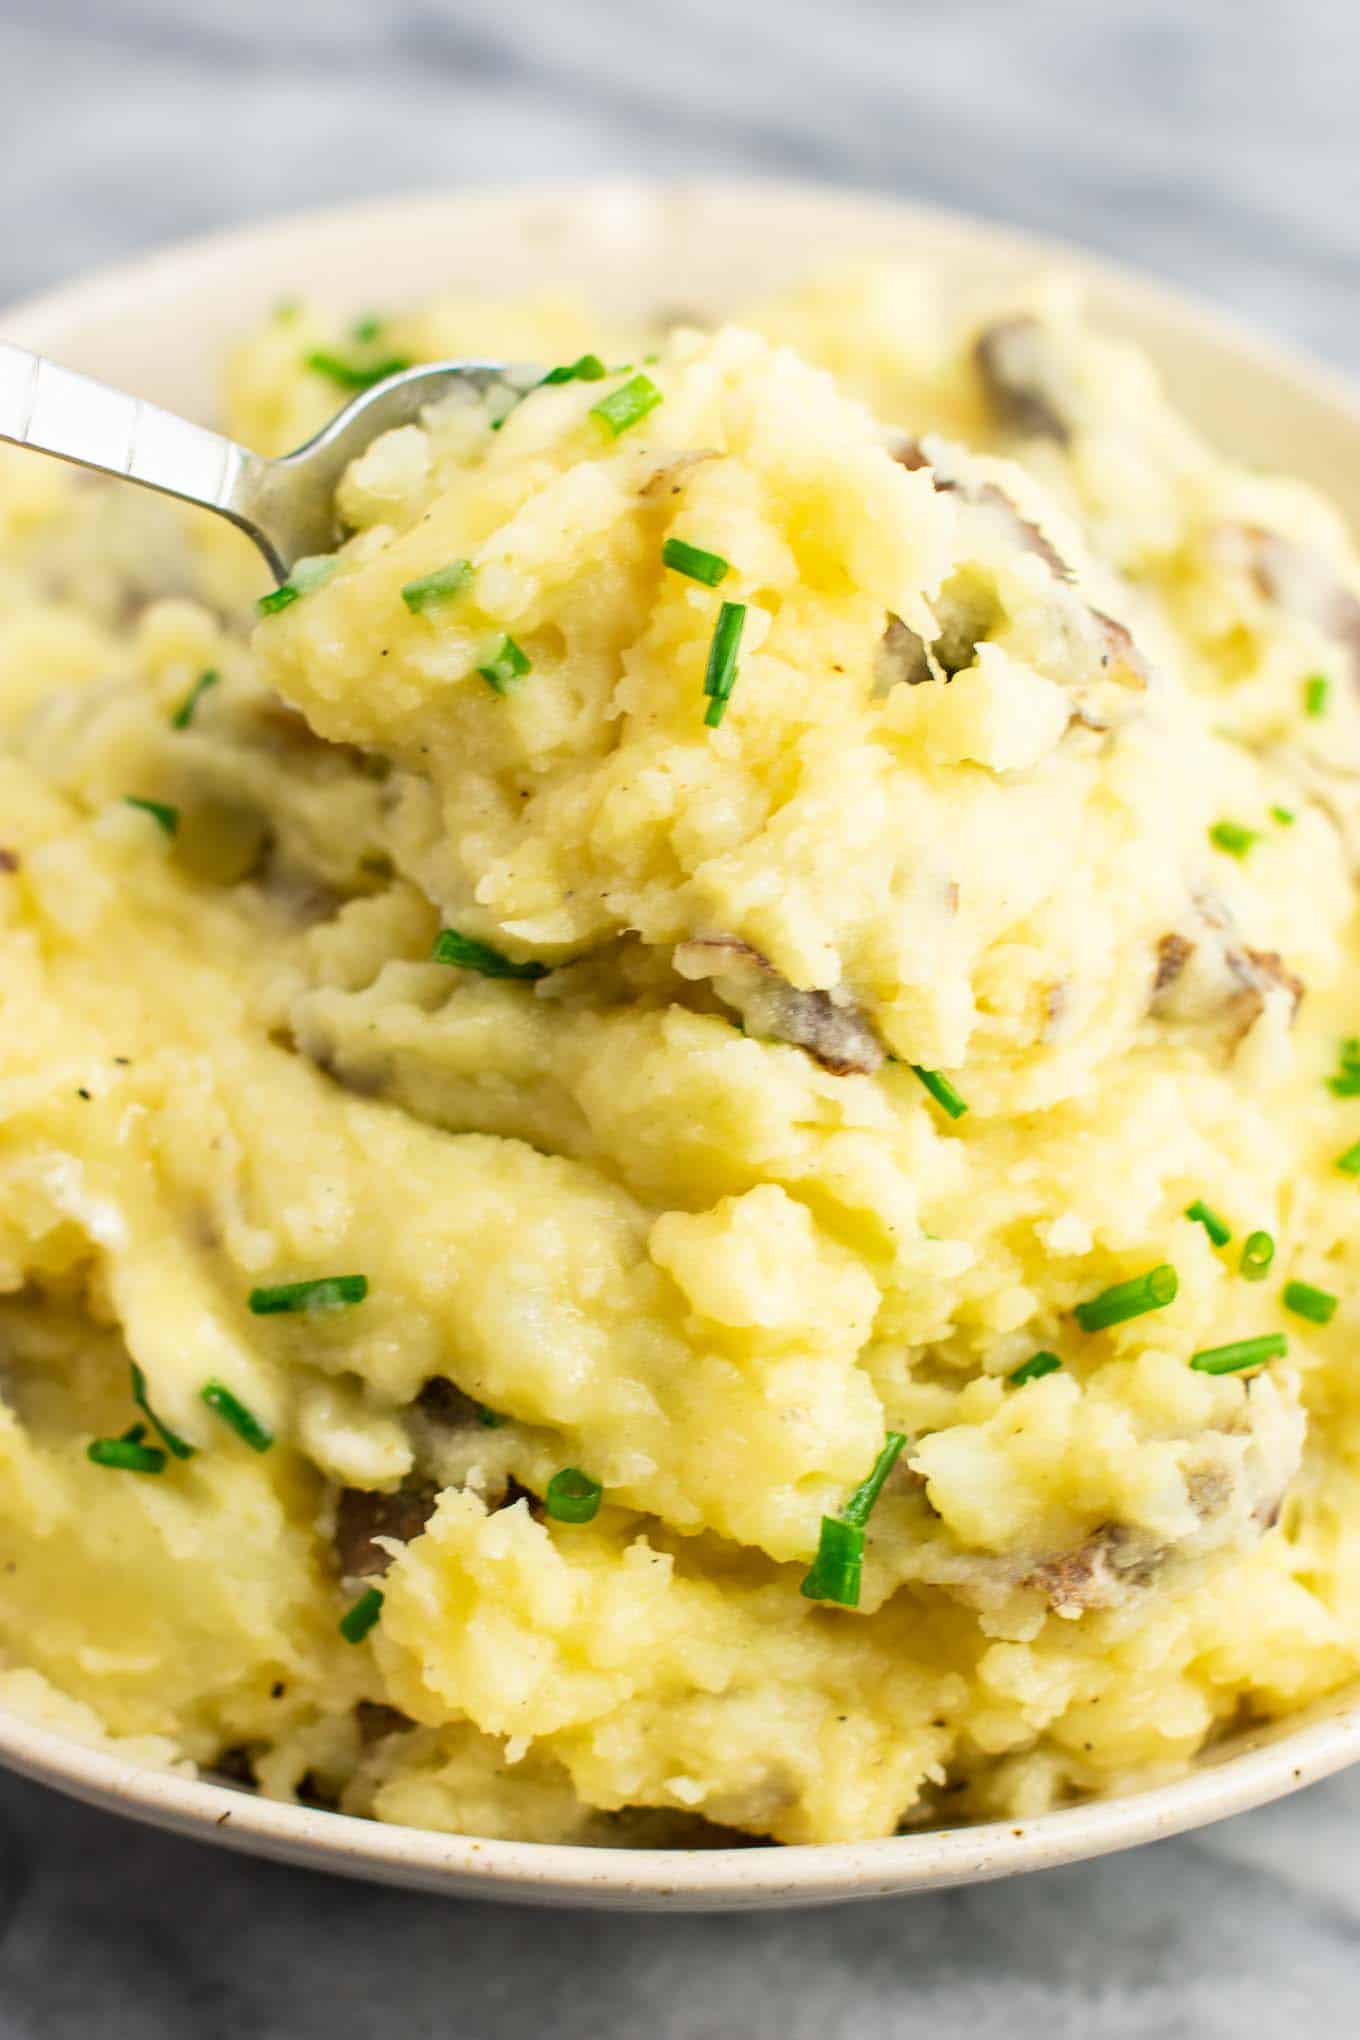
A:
(709, 1086)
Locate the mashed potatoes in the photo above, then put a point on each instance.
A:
(778, 912)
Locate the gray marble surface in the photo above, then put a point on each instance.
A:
(1213, 141)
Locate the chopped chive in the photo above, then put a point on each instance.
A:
(1316, 689)
(231, 1410)
(451, 947)
(1240, 1353)
(1233, 838)
(628, 404)
(1349, 1163)
(128, 1454)
(941, 1090)
(354, 375)
(1258, 1251)
(184, 714)
(586, 368)
(1346, 1082)
(1218, 1232)
(306, 575)
(165, 817)
(1317, 1305)
(440, 586)
(181, 1447)
(327, 1292)
(836, 1572)
(1284, 816)
(488, 1417)
(1131, 1299)
(572, 1496)
(692, 560)
(859, 1506)
(358, 1619)
(1035, 1368)
(509, 663)
(367, 329)
(720, 674)
(133, 1435)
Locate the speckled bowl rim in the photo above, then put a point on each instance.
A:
(155, 324)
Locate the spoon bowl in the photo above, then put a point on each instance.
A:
(285, 506)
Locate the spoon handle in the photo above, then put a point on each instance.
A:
(56, 411)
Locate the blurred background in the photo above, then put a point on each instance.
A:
(1212, 142)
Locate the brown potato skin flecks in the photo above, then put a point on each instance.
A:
(362, 1517)
(840, 1037)
(1018, 379)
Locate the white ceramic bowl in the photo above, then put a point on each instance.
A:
(158, 327)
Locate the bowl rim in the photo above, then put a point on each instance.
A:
(1260, 1766)
(1286, 1758)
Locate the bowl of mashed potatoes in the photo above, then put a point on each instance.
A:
(681, 1135)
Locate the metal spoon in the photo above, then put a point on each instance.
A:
(286, 506)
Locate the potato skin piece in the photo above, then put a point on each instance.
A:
(362, 1516)
(1010, 360)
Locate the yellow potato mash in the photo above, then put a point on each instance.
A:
(679, 1139)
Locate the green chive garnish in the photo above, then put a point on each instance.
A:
(1131, 1299)
(128, 1454)
(358, 1619)
(1316, 689)
(1233, 838)
(720, 675)
(1317, 1305)
(835, 1572)
(231, 1410)
(181, 1447)
(306, 575)
(587, 368)
(184, 714)
(692, 560)
(1035, 1368)
(165, 817)
(1241, 1353)
(1349, 1163)
(572, 1496)
(1258, 1251)
(367, 329)
(859, 1506)
(628, 404)
(1346, 1082)
(328, 1292)
(451, 947)
(488, 1417)
(1284, 816)
(509, 663)
(440, 586)
(354, 375)
(1218, 1232)
(941, 1090)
